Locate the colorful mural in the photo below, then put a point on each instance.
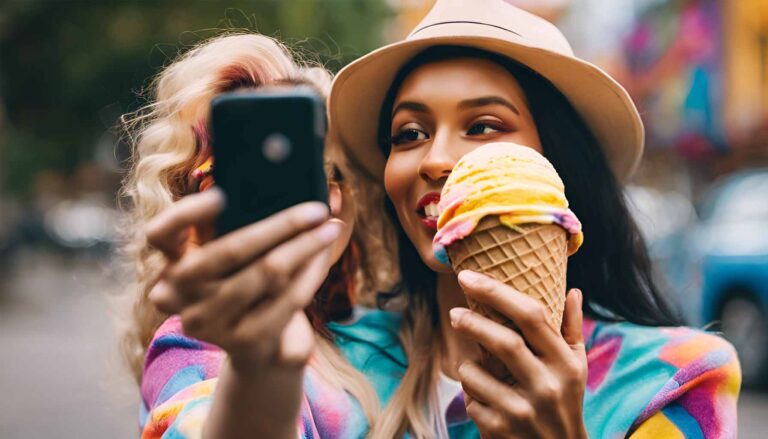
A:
(698, 70)
(675, 68)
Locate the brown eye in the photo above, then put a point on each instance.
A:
(333, 173)
(336, 174)
(480, 129)
(409, 135)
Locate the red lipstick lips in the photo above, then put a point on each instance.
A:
(429, 222)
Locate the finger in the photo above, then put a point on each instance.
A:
(498, 398)
(504, 343)
(168, 230)
(289, 257)
(527, 313)
(213, 317)
(259, 327)
(490, 424)
(478, 384)
(277, 272)
(308, 280)
(234, 250)
(258, 332)
(573, 319)
(204, 234)
(283, 270)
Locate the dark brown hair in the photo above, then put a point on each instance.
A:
(612, 268)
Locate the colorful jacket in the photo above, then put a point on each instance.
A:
(643, 382)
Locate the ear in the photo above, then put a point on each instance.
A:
(335, 199)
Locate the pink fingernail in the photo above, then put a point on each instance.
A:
(468, 277)
(328, 232)
(316, 212)
(455, 314)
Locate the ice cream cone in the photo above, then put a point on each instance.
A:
(503, 213)
(532, 259)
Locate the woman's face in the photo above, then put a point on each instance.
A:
(442, 111)
(342, 206)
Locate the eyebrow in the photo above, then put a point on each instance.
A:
(488, 100)
(409, 105)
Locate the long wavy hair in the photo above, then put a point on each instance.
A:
(169, 142)
(612, 268)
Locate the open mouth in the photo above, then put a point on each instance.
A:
(428, 211)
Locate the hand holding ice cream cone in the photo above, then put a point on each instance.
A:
(503, 213)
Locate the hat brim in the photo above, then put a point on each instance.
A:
(360, 88)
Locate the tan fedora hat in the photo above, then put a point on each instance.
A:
(496, 26)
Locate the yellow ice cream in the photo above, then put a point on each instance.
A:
(512, 181)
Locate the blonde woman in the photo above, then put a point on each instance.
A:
(223, 328)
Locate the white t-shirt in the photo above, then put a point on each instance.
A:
(447, 389)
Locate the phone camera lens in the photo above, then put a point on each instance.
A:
(276, 148)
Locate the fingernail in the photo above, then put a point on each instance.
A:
(469, 277)
(328, 232)
(316, 212)
(455, 314)
(463, 368)
(579, 297)
(218, 194)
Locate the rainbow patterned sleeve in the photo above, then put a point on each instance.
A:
(179, 379)
(180, 374)
(660, 382)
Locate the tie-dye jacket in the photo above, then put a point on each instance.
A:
(643, 382)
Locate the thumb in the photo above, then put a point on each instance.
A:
(573, 318)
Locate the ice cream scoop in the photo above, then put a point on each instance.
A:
(507, 180)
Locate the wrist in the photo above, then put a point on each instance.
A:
(247, 367)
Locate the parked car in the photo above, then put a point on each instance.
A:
(716, 261)
(732, 239)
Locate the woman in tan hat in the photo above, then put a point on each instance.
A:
(484, 71)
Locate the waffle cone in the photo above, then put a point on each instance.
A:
(532, 260)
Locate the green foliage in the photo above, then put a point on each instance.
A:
(68, 69)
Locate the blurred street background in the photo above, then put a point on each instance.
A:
(698, 70)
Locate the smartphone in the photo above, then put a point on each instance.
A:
(268, 152)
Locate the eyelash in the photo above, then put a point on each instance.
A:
(492, 125)
(400, 137)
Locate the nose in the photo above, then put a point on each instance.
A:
(439, 161)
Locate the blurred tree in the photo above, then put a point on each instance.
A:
(68, 69)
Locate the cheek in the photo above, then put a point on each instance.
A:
(399, 178)
(395, 180)
(527, 136)
(533, 141)
(530, 136)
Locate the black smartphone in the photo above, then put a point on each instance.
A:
(267, 152)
